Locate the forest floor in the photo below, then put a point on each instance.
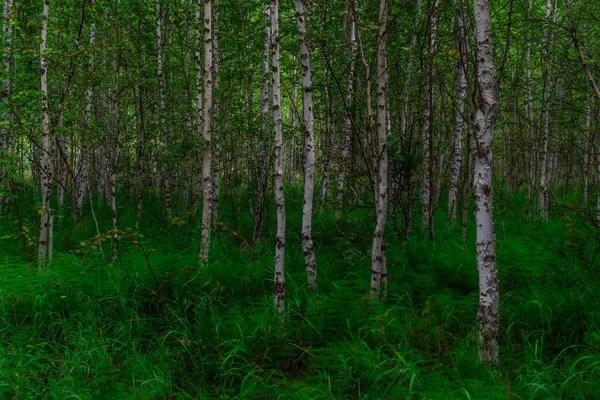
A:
(155, 325)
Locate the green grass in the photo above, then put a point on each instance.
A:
(86, 329)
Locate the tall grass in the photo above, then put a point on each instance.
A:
(86, 329)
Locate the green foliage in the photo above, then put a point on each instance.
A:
(85, 329)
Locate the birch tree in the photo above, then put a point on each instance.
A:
(427, 195)
(82, 174)
(308, 157)
(461, 92)
(347, 129)
(5, 92)
(378, 257)
(485, 116)
(279, 278)
(264, 111)
(206, 134)
(46, 217)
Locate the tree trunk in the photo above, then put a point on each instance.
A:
(532, 154)
(547, 55)
(586, 156)
(308, 157)
(45, 252)
(83, 155)
(378, 258)
(408, 78)
(206, 134)
(427, 195)
(199, 107)
(115, 157)
(486, 111)
(5, 93)
(261, 173)
(347, 129)
(279, 278)
(216, 107)
(461, 91)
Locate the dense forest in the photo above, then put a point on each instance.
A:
(299, 199)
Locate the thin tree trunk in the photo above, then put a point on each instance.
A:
(308, 120)
(279, 277)
(115, 158)
(346, 132)
(486, 112)
(199, 106)
(532, 154)
(83, 155)
(206, 134)
(378, 258)
(264, 111)
(544, 199)
(461, 91)
(586, 155)
(45, 253)
(164, 175)
(409, 65)
(216, 107)
(427, 195)
(5, 92)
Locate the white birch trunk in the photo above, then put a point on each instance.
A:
(486, 111)
(216, 107)
(347, 129)
(115, 158)
(279, 276)
(308, 157)
(461, 91)
(45, 253)
(5, 89)
(427, 195)
(409, 65)
(83, 155)
(586, 156)
(264, 111)
(206, 134)
(378, 258)
(166, 183)
(532, 154)
(547, 54)
(199, 83)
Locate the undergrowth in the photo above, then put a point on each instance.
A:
(155, 325)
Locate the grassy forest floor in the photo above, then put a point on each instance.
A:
(85, 329)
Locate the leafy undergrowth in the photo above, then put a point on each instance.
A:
(155, 325)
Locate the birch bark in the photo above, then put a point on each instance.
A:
(279, 276)
(199, 83)
(346, 132)
(206, 134)
(264, 111)
(378, 258)
(486, 112)
(308, 158)
(427, 195)
(461, 91)
(83, 155)
(5, 89)
(44, 249)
